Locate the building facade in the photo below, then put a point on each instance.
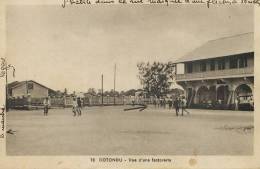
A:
(27, 94)
(220, 73)
(28, 88)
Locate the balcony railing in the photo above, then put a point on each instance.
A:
(226, 73)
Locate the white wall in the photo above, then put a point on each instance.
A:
(180, 68)
(38, 91)
(19, 91)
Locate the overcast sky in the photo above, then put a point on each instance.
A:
(72, 47)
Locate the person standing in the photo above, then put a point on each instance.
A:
(154, 102)
(79, 107)
(46, 104)
(164, 103)
(161, 102)
(74, 106)
(236, 103)
(176, 105)
(251, 102)
(158, 102)
(170, 103)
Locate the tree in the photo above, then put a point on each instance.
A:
(122, 93)
(92, 91)
(111, 93)
(131, 92)
(65, 92)
(57, 93)
(107, 93)
(156, 78)
(99, 92)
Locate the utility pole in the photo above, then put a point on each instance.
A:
(102, 95)
(6, 91)
(4, 73)
(115, 85)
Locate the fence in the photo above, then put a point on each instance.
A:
(34, 103)
(19, 103)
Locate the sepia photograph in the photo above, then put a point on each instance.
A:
(129, 80)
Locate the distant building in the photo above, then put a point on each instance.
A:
(219, 73)
(28, 88)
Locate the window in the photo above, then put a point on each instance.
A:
(212, 65)
(242, 61)
(189, 67)
(203, 66)
(180, 68)
(30, 86)
(233, 62)
(221, 64)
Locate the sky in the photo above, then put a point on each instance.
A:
(71, 47)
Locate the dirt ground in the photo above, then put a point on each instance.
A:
(112, 131)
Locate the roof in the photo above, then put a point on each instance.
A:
(24, 82)
(176, 86)
(226, 46)
(12, 84)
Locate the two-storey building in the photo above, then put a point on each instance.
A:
(220, 73)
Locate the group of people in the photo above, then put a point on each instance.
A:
(244, 99)
(162, 103)
(177, 103)
(77, 104)
(180, 103)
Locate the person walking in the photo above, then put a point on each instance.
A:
(176, 105)
(46, 105)
(183, 106)
(74, 106)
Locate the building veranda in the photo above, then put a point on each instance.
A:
(219, 74)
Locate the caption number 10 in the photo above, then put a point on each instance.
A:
(92, 159)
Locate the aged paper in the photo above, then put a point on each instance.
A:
(79, 94)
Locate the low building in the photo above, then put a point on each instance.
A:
(27, 94)
(220, 73)
(28, 88)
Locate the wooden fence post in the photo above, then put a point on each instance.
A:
(29, 102)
